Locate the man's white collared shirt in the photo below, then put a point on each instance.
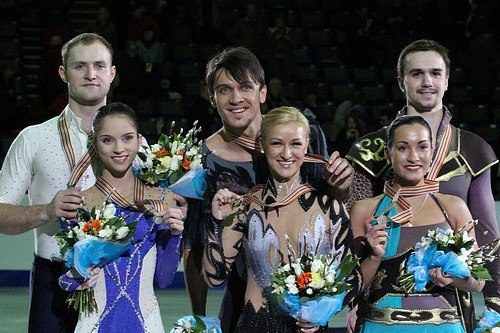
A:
(36, 165)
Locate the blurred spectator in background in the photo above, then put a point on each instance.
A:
(360, 35)
(281, 35)
(281, 46)
(393, 16)
(310, 107)
(250, 30)
(55, 23)
(152, 53)
(132, 75)
(275, 96)
(347, 136)
(385, 118)
(140, 21)
(353, 105)
(169, 106)
(52, 87)
(104, 26)
(483, 64)
(53, 93)
(8, 98)
(167, 93)
(166, 13)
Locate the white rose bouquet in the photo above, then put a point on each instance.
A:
(95, 238)
(175, 159)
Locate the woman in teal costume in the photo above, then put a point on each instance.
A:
(385, 244)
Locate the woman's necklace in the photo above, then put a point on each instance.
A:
(284, 185)
(418, 210)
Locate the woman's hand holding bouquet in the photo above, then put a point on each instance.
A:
(93, 240)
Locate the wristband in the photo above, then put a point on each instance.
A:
(69, 284)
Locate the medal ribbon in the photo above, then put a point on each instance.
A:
(444, 145)
(84, 162)
(250, 143)
(139, 200)
(292, 196)
(398, 197)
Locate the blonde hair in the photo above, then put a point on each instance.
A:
(281, 116)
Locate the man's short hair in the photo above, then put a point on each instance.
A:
(422, 45)
(239, 62)
(85, 39)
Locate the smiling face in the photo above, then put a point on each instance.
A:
(285, 147)
(88, 73)
(410, 154)
(117, 144)
(238, 103)
(425, 81)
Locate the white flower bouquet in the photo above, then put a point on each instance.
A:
(95, 238)
(312, 287)
(172, 158)
(197, 324)
(453, 252)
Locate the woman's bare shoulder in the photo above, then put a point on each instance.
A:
(450, 201)
(368, 203)
(456, 208)
(363, 209)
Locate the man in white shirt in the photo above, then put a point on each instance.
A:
(40, 163)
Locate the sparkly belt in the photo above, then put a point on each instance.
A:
(391, 316)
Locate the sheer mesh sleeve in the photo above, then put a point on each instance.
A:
(221, 248)
(361, 188)
(345, 239)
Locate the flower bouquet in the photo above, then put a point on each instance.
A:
(312, 287)
(489, 323)
(453, 252)
(197, 324)
(95, 238)
(175, 162)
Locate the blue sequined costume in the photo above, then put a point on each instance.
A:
(124, 292)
